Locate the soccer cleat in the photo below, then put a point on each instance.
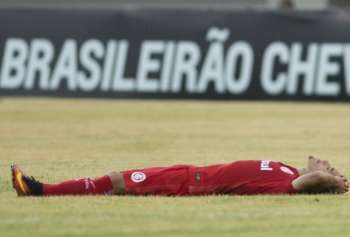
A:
(23, 184)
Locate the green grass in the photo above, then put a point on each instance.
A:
(60, 139)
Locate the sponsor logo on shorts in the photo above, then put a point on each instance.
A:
(287, 170)
(138, 177)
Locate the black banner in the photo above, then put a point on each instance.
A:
(200, 54)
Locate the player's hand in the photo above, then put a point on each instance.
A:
(334, 171)
(322, 165)
(342, 185)
(315, 164)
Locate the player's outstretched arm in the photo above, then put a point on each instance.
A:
(320, 182)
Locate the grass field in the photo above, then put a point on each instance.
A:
(59, 139)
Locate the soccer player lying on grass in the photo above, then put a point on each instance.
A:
(250, 177)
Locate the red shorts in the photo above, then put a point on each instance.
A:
(166, 181)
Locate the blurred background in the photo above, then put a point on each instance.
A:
(263, 4)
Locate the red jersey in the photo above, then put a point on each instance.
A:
(243, 178)
(247, 177)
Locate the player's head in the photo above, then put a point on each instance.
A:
(325, 183)
(321, 178)
(328, 184)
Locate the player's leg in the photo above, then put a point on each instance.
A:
(104, 185)
(165, 181)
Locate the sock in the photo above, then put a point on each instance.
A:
(101, 185)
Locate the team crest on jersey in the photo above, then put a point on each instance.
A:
(198, 177)
(265, 165)
(138, 177)
(287, 170)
